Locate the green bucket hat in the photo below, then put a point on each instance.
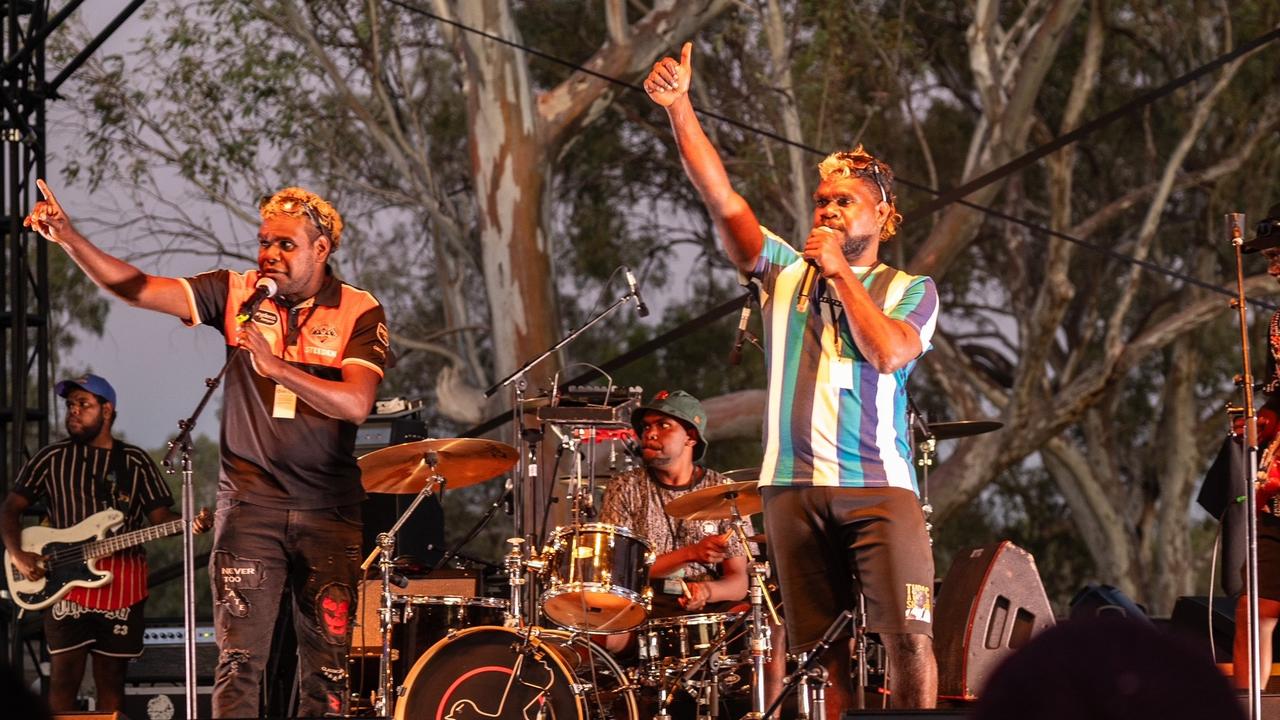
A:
(681, 406)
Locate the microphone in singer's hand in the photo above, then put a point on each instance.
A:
(641, 309)
(265, 288)
(735, 354)
(809, 280)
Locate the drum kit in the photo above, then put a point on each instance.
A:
(459, 657)
(537, 654)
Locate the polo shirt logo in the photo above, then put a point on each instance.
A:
(324, 333)
(265, 317)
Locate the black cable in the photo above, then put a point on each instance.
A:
(953, 195)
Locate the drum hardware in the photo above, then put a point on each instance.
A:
(761, 600)
(812, 699)
(383, 552)
(705, 691)
(926, 436)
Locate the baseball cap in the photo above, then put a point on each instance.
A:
(681, 406)
(90, 382)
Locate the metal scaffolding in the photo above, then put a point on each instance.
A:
(25, 351)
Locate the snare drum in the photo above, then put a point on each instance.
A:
(495, 672)
(597, 578)
(672, 644)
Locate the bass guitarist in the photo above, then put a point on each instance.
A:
(85, 474)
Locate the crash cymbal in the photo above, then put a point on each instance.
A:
(404, 468)
(958, 429)
(716, 502)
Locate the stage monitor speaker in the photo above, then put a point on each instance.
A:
(1094, 600)
(365, 635)
(991, 603)
(1191, 619)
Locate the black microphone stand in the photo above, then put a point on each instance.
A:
(182, 443)
(807, 673)
(1235, 223)
(517, 382)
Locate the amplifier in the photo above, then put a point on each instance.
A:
(163, 658)
(365, 635)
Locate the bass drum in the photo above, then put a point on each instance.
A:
(498, 672)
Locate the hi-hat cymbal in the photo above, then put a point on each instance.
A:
(957, 429)
(405, 468)
(717, 502)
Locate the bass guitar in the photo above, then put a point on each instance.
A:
(69, 556)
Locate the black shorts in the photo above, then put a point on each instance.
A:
(115, 633)
(827, 544)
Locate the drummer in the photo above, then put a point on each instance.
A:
(700, 565)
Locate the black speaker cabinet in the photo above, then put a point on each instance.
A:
(991, 603)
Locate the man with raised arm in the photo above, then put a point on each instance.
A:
(841, 507)
(289, 491)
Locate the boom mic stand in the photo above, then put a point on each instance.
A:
(182, 443)
(1235, 224)
(518, 382)
(809, 674)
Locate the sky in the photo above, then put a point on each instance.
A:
(157, 365)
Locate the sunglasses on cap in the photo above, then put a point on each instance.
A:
(297, 207)
(865, 166)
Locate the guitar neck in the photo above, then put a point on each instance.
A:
(112, 545)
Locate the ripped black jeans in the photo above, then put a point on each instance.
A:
(256, 550)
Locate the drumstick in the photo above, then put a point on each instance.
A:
(684, 588)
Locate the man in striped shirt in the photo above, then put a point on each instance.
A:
(841, 506)
(88, 473)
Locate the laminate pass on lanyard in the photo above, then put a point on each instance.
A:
(285, 405)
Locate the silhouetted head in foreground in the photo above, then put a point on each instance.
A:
(1104, 669)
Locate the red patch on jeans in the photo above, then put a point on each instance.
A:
(333, 605)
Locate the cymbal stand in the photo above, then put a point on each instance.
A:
(860, 653)
(1235, 224)
(384, 553)
(925, 451)
(761, 600)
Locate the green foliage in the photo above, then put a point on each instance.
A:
(235, 103)
(1025, 508)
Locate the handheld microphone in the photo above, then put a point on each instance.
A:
(265, 288)
(735, 355)
(808, 281)
(641, 309)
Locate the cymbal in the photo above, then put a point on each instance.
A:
(716, 502)
(957, 429)
(757, 538)
(749, 473)
(462, 462)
